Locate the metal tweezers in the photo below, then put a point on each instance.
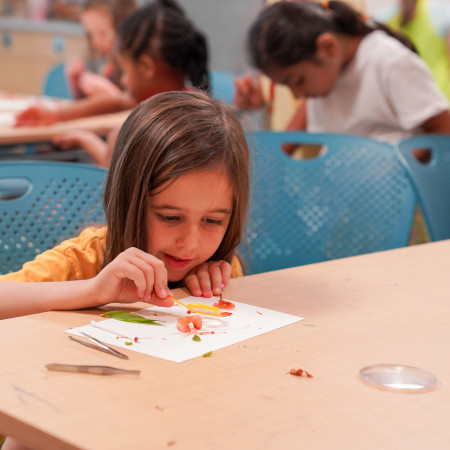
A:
(101, 345)
(96, 370)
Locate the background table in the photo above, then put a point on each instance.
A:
(100, 125)
(389, 307)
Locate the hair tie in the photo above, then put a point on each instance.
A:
(325, 4)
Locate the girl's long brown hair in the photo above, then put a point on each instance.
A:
(169, 135)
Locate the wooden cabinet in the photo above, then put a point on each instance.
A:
(28, 49)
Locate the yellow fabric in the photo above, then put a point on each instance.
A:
(431, 46)
(236, 268)
(79, 258)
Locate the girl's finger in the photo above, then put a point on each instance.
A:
(215, 275)
(192, 284)
(157, 301)
(225, 269)
(157, 276)
(127, 270)
(204, 280)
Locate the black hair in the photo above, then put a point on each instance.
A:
(286, 33)
(161, 29)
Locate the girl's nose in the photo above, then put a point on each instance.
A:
(189, 239)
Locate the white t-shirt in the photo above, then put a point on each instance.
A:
(386, 92)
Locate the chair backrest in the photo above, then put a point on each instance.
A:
(431, 180)
(354, 198)
(43, 203)
(222, 85)
(55, 83)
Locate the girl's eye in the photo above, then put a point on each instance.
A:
(168, 219)
(210, 221)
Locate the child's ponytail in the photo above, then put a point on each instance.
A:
(183, 46)
(161, 29)
(197, 62)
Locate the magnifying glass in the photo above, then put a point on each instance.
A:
(200, 308)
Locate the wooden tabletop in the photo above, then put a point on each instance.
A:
(100, 125)
(389, 307)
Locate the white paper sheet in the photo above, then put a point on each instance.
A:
(168, 343)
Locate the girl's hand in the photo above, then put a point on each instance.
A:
(208, 279)
(248, 93)
(133, 276)
(92, 84)
(75, 67)
(73, 70)
(71, 139)
(97, 148)
(37, 115)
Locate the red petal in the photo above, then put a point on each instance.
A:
(183, 324)
(197, 322)
(224, 304)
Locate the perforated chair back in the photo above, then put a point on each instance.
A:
(431, 181)
(43, 203)
(222, 85)
(356, 198)
(55, 83)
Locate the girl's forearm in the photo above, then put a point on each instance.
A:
(95, 105)
(19, 299)
(438, 124)
(298, 121)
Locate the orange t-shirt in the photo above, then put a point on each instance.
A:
(79, 258)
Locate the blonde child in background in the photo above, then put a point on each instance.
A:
(100, 19)
(159, 50)
(351, 73)
(175, 199)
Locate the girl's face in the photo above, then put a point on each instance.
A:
(139, 77)
(134, 78)
(317, 77)
(100, 29)
(307, 78)
(187, 220)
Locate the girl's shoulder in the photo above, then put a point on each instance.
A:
(379, 49)
(74, 259)
(236, 267)
(87, 236)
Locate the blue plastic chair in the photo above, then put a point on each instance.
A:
(55, 83)
(222, 85)
(43, 203)
(355, 198)
(431, 181)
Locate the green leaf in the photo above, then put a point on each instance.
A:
(205, 355)
(128, 343)
(196, 338)
(128, 317)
